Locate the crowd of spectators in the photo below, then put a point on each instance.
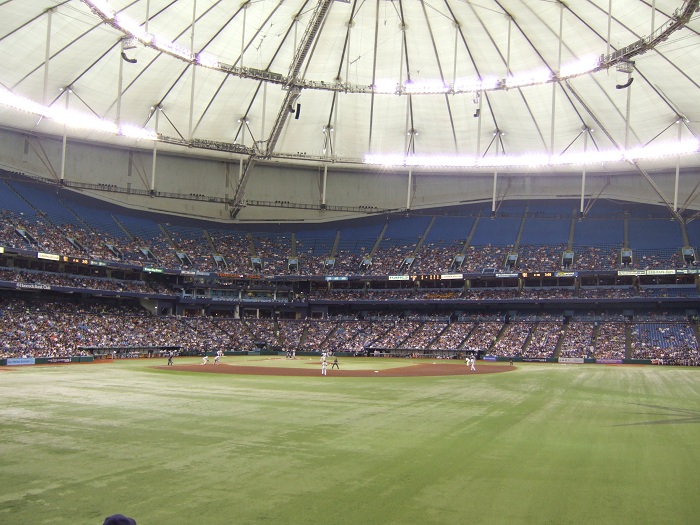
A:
(37, 277)
(539, 257)
(611, 341)
(512, 339)
(577, 340)
(543, 340)
(209, 250)
(48, 327)
(666, 343)
(530, 293)
(51, 279)
(453, 336)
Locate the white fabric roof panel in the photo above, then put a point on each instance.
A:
(362, 44)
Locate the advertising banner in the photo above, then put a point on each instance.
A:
(58, 359)
(15, 361)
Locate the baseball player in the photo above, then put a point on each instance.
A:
(219, 353)
(335, 364)
(324, 365)
(205, 359)
(170, 358)
(473, 362)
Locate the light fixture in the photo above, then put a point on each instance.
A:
(685, 147)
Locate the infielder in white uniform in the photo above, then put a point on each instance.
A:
(205, 359)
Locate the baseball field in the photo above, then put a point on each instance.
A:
(529, 444)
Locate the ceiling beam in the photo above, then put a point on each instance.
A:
(293, 90)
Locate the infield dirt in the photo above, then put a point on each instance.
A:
(414, 370)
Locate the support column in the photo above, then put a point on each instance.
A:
(155, 152)
(47, 56)
(408, 191)
(678, 167)
(65, 138)
(120, 84)
(554, 84)
(245, 11)
(493, 197)
(607, 53)
(627, 117)
(194, 71)
(583, 172)
(148, 15)
(495, 175)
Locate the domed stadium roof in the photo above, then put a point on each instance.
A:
(408, 89)
(340, 80)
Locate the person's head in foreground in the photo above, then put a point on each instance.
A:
(118, 519)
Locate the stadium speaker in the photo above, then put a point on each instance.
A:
(127, 59)
(296, 116)
(625, 85)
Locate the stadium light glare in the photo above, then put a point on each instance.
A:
(134, 132)
(426, 86)
(653, 151)
(172, 48)
(134, 29)
(103, 7)
(385, 86)
(685, 147)
(207, 60)
(582, 66)
(579, 67)
(529, 78)
(73, 119)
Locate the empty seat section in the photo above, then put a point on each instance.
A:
(541, 231)
(598, 232)
(654, 233)
(42, 198)
(450, 229)
(499, 231)
(10, 201)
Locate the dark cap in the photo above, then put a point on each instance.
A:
(118, 519)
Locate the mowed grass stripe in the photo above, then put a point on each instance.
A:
(542, 444)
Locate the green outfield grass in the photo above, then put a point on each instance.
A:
(544, 444)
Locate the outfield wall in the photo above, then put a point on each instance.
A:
(28, 361)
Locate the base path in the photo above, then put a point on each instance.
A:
(418, 370)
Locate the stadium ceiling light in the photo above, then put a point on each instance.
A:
(685, 147)
(102, 7)
(579, 67)
(134, 29)
(74, 119)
